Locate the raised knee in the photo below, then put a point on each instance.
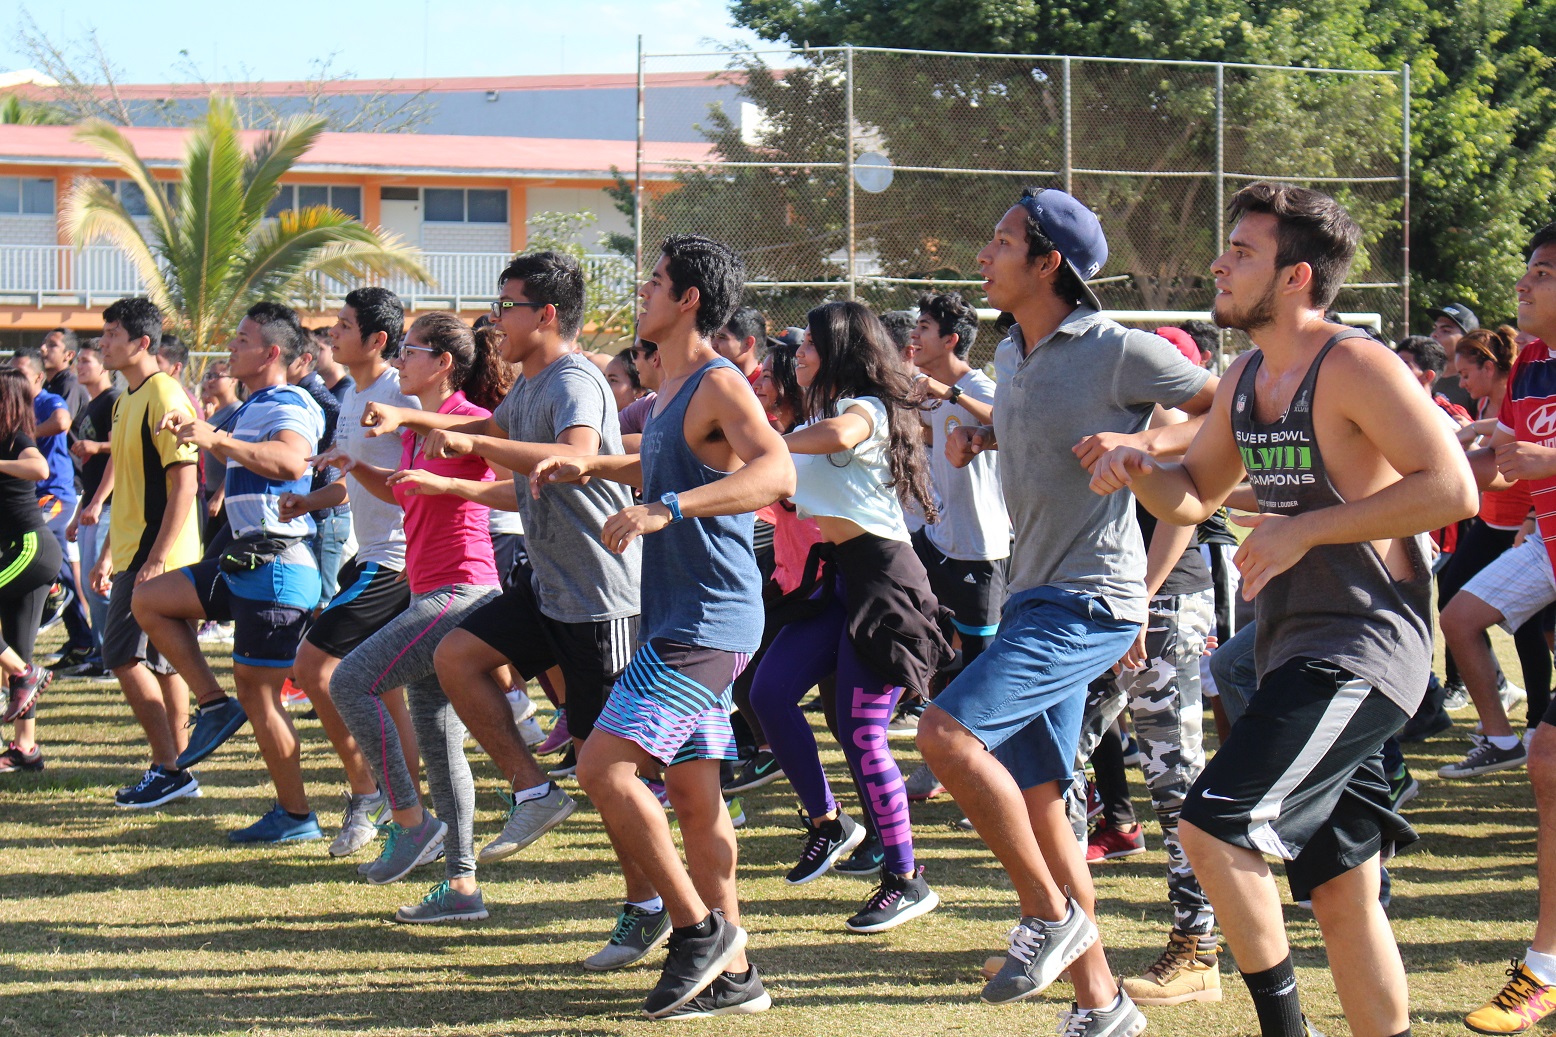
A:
(1542, 759)
(1458, 621)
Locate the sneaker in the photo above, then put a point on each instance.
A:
(1517, 1007)
(527, 821)
(157, 787)
(1121, 1019)
(692, 964)
(405, 848)
(761, 769)
(1457, 698)
(964, 824)
(923, 785)
(278, 826)
(728, 994)
(367, 866)
(293, 697)
(71, 657)
(896, 900)
(737, 812)
(1093, 800)
(905, 723)
(213, 725)
(359, 822)
(1528, 737)
(1402, 787)
(657, 787)
(15, 759)
(1419, 730)
(54, 605)
(866, 860)
(445, 904)
(567, 768)
(25, 689)
(1132, 755)
(1483, 758)
(1108, 842)
(217, 633)
(1039, 952)
(636, 935)
(532, 733)
(91, 669)
(1511, 694)
(1182, 973)
(558, 738)
(824, 844)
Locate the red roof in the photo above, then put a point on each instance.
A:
(376, 153)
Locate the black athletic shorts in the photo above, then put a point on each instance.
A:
(973, 590)
(1301, 775)
(370, 596)
(592, 655)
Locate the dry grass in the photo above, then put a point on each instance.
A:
(123, 922)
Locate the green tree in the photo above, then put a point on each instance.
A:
(609, 309)
(1483, 142)
(16, 112)
(212, 253)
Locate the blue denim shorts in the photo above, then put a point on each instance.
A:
(1025, 695)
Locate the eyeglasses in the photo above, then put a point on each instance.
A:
(639, 353)
(404, 345)
(507, 304)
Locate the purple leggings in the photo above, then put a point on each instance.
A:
(803, 654)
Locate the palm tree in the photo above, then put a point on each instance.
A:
(16, 112)
(212, 253)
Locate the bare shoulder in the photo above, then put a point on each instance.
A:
(724, 389)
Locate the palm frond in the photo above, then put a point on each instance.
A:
(109, 142)
(212, 228)
(325, 241)
(90, 212)
(275, 154)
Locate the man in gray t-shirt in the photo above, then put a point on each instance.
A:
(1002, 737)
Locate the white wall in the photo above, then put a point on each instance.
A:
(465, 237)
(575, 199)
(27, 230)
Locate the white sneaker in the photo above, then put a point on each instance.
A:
(522, 705)
(1512, 694)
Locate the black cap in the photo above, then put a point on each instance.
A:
(790, 339)
(1460, 314)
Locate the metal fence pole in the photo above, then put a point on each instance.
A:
(1404, 221)
(1068, 165)
(848, 161)
(1220, 242)
(637, 184)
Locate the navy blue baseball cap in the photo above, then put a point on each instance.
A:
(1075, 231)
(1460, 314)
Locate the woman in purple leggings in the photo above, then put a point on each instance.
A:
(872, 619)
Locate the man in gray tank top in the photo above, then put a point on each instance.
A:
(1350, 466)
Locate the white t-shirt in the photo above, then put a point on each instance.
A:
(852, 484)
(974, 525)
(377, 525)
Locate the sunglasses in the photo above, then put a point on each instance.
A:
(507, 304)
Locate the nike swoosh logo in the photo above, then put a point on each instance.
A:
(1212, 795)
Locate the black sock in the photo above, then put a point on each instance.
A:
(1274, 993)
(1403, 1033)
(220, 701)
(702, 929)
(297, 817)
(741, 977)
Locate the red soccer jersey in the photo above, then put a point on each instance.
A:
(1529, 415)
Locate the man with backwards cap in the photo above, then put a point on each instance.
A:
(1452, 323)
(1003, 736)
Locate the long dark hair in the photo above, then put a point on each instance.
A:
(859, 359)
(15, 404)
(478, 371)
(780, 367)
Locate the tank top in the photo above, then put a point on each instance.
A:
(1504, 509)
(700, 585)
(1339, 603)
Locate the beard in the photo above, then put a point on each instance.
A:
(1259, 314)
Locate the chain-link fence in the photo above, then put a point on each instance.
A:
(878, 174)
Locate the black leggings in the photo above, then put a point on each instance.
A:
(1479, 546)
(29, 564)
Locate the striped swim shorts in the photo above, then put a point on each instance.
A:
(673, 700)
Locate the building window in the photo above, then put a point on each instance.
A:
(300, 196)
(25, 195)
(457, 205)
(134, 201)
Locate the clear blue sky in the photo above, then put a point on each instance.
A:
(384, 39)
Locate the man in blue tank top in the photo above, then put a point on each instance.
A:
(1349, 464)
(709, 459)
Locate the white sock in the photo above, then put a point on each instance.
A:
(538, 792)
(1541, 966)
(1503, 741)
(653, 907)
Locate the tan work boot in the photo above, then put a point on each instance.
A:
(1182, 973)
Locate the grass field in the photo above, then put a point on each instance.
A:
(115, 921)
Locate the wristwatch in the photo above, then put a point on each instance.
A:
(954, 395)
(671, 501)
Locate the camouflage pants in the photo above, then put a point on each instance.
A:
(1165, 701)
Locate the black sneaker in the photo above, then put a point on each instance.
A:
(25, 688)
(894, 901)
(54, 605)
(728, 994)
(866, 860)
(71, 657)
(568, 767)
(157, 787)
(91, 669)
(824, 844)
(14, 759)
(761, 769)
(692, 964)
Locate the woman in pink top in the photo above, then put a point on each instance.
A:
(448, 561)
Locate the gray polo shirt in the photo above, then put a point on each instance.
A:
(1089, 375)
